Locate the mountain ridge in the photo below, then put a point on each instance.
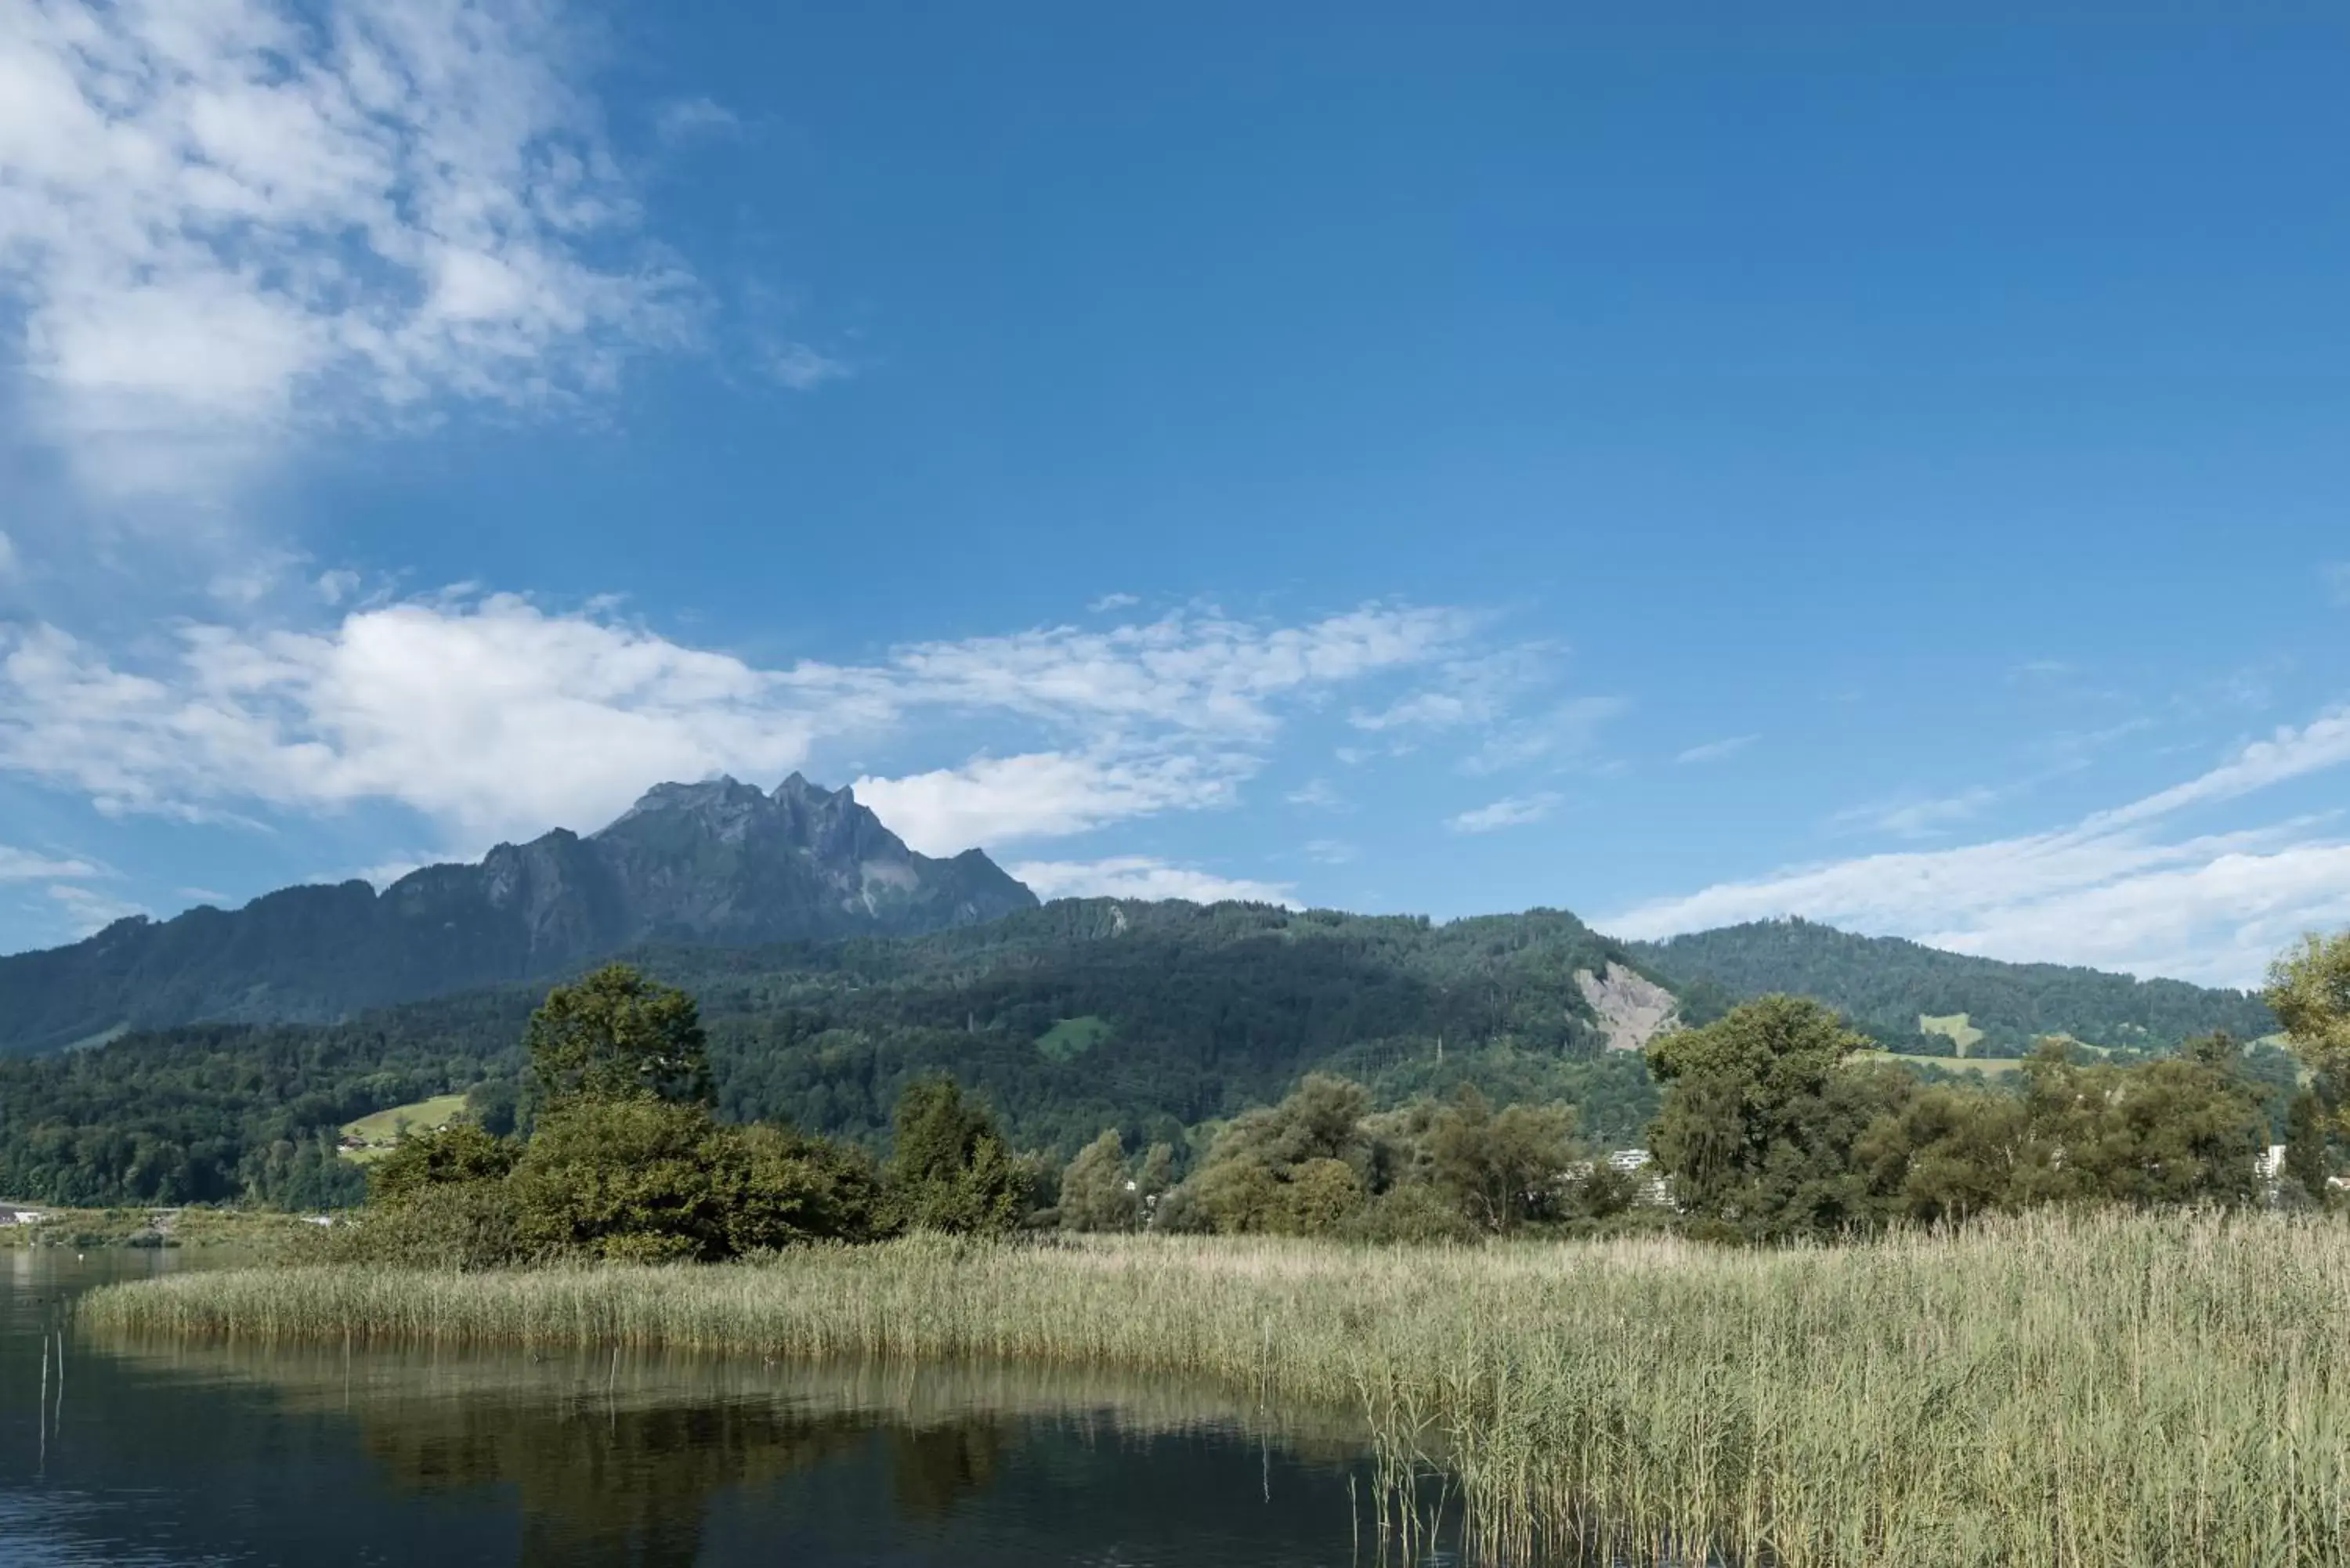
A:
(719, 862)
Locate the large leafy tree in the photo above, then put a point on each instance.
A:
(1761, 1113)
(950, 1168)
(615, 1035)
(1096, 1194)
(2309, 990)
(1501, 1168)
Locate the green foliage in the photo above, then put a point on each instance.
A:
(950, 1169)
(1501, 1168)
(460, 1152)
(2309, 990)
(1760, 1116)
(1072, 1037)
(1320, 1164)
(2306, 1161)
(449, 1225)
(1209, 1010)
(1884, 986)
(615, 1035)
(1096, 1194)
(1770, 1129)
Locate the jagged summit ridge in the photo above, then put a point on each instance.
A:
(718, 861)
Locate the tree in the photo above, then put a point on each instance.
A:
(2304, 1146)
(1156, 1175)
(2309, 990)
(460, 1152)
(2178, 1130)
(1759, 1116)
(616, 1035)
(631, 1178)
(1501, 1169)
(1245, 1184)
(1095, 1193)
(950, 1168)
(781, 1188)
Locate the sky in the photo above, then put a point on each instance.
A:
(1683, 464)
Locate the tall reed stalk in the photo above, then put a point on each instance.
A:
(2061, 1390)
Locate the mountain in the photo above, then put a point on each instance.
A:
(1067, 1017)
(1888, 988)
(1078, 1015)
(719, 862)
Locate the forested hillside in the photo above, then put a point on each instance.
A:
(1884, 985)
(1075, 1016)
(1153, 1018)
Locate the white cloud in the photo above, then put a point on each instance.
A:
(1424, 711)
(1048, 794)
(1916, 818)
(225, 220)
(7, 557)
(1716, 750)
(493, 716)
(1329, 851)
(1109, 602)
(1567, 730)
(2110, 890)
(803, 370)
(687, 120)
(2336, 576)
(1142, 877)
(26, 865)
(88, 911)
(1511, 811)
(1316, 795)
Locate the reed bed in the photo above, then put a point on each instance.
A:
(2070, 1390)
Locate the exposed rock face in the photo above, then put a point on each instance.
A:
(1632, 1009)
(719, 862)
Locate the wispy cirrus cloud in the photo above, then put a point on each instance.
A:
(226, 221)
(30, 866)
(1715, 751)
(2112, 889)
(1145, 877)
(1509, 811)
(491, 714)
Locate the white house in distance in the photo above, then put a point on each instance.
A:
(14, 1214)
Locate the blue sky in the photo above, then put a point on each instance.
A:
(1678, 465)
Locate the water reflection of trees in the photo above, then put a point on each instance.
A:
(617, 1460)
(600, 1481)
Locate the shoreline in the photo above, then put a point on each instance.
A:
(2116, 1387)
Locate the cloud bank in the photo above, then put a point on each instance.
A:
(2115, 889)
(493, 716)
(225, 220)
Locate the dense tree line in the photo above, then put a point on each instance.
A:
(1201, 1012)
(624, 1162)
(1161, 1023)
(1884, 985)
(1777, 1123)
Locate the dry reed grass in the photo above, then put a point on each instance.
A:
(2068, 1390)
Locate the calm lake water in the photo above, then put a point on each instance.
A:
(200, 1454)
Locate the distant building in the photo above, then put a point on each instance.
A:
(10, 1214)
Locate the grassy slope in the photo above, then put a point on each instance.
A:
(2081, 1390)
(1952, 1027)
(381, 1129)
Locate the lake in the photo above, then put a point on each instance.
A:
(176, 1453)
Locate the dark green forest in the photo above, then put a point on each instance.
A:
(1882, 985)
(1159, 1019)
(1185, 1015)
